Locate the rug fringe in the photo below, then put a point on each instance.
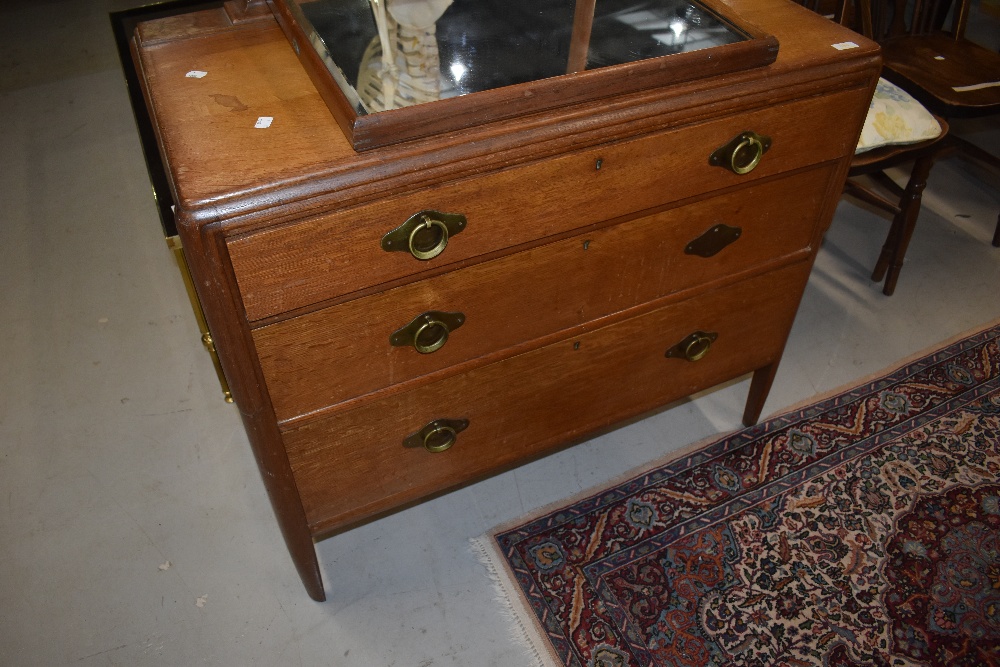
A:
(522, 624)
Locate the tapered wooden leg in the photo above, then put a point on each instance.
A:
(303, 551)
(307, 565)
(205, 252)
(906, 220)
(760, 387)
(996, 234)
(287, 506)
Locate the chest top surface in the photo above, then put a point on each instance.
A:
(242, 127)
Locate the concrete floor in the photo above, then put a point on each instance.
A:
(134, 529)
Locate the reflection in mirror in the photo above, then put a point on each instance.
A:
(388, 54)
(401, 66)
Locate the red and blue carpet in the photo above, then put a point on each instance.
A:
(863, 529)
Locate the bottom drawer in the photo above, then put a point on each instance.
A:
(353, 464)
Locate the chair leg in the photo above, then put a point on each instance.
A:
(885, 257)
(903, 224)
(979, 155)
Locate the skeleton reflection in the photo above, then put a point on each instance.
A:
(402, 66)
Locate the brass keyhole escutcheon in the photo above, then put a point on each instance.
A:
(742, 154)
(437, 436)
(427, 332)
(425, 234)
(713, 241)
(693, 347)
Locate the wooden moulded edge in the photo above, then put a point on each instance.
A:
(368, 131)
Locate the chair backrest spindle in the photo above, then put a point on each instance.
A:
(960, 20)
(882, 19)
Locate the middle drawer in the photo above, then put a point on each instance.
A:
(344, 351)
(354, 464)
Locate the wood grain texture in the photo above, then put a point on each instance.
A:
(929, 59)
(301, 264)
(931, 67)
(354, 464)
(304, 157)
(205, 252)
(282, 227)
(183, 26)
(342, 352)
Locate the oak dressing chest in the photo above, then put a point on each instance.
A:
(400, 317)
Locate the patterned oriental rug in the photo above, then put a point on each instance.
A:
(863, 529)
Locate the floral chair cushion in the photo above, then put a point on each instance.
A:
(894, 117)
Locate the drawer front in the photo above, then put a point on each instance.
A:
(352, 465)
(307, 262)
(344, 351)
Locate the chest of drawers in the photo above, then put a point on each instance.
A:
(402, 321)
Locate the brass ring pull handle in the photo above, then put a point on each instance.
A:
(742, 154)
(694, 347)
(439, 439)
(427, 332)
(425, 234)
(430, 337)
(437, 436)
(440, 243)
(737, 161)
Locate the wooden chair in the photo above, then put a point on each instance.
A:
(904, 204)
(950, 75)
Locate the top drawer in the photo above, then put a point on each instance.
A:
(306, 262)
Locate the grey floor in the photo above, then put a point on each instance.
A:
(134, 529)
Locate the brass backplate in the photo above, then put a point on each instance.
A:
(726, 156)
(398, 240)
(694, 346)
(417, 440)
(409, 334)
(713, 241)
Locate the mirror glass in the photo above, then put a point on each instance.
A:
(389, 54)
